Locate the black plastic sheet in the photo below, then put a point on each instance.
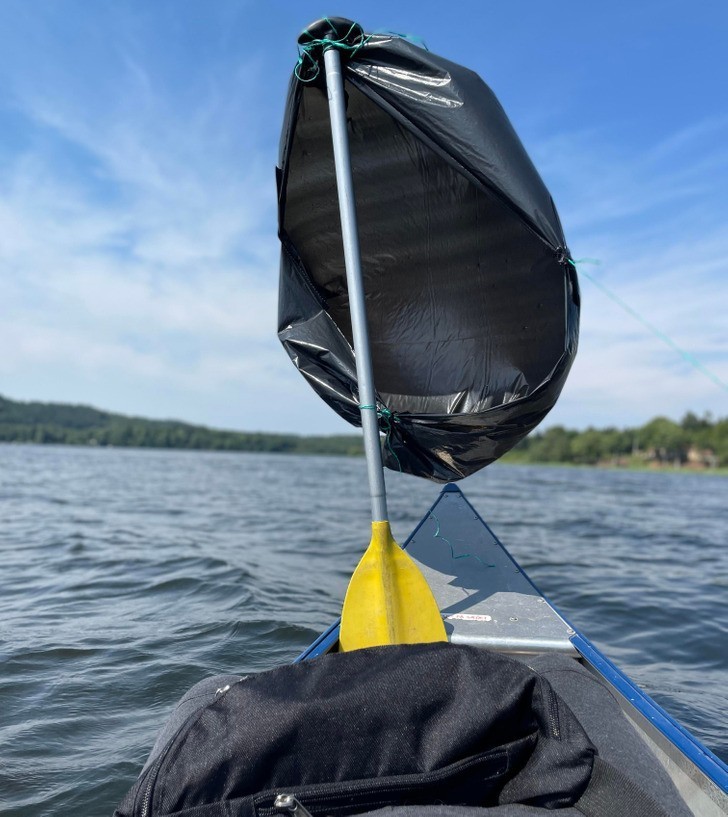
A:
(472, 301)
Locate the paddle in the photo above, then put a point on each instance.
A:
(388, 600)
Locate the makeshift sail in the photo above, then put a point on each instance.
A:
(472, 301)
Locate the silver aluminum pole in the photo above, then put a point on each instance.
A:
(352, 260)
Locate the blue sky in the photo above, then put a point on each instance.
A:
(138, 254)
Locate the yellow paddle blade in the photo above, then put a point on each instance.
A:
(388, 600)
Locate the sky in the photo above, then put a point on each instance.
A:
(138, 249)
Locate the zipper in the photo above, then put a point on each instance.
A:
(326, 798)
(150, 785)
(553, 708)
(287, 802)
(551, 704)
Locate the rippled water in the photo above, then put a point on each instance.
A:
(127, 575)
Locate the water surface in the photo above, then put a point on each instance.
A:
(128, 575)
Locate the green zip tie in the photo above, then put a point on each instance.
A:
(687, 356)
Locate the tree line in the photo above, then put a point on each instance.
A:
(697, 441)
(82, 425)
(700, 441)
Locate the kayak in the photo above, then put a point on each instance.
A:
(487, 600)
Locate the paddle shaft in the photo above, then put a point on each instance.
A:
(354, 282)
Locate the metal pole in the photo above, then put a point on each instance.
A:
(357, 307)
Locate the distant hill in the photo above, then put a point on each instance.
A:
(83, 425)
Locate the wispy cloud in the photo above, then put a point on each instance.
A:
(657, 222)
(605, 188)
(153, 260)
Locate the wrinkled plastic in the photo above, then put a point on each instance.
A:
(472, 303)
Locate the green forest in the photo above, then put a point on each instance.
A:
(694, 442)
(83, 425)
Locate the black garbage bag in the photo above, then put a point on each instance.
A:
(471, 296)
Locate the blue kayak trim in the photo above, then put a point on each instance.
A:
(711, 765)
(322, 644)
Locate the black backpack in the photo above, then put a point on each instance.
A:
(343, 734)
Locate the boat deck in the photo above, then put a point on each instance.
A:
(485, 598)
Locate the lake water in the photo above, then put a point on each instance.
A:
(128, 575)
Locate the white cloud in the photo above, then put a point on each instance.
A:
(624, 373)
(154, 264)
(608, 190)
(658, 223)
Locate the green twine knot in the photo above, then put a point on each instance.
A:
(307, 62)
(389, 418)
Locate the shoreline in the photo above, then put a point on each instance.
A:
(720, 471)
(508, 459)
